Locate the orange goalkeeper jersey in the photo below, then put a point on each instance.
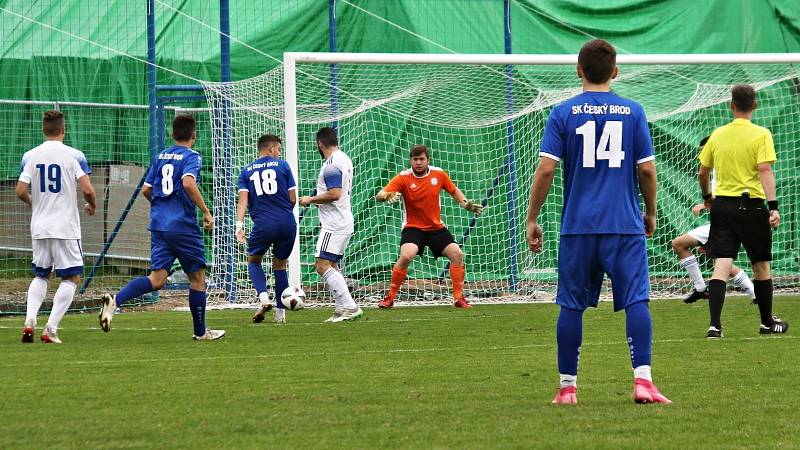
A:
(422, 208)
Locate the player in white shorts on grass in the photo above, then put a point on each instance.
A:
(53, 171)
(683, 245)
(334, 185)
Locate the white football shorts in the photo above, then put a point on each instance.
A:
(63, 255)
(331, 246)
(700, 233)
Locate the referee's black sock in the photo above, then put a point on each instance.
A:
(763, 290)
(716, 298)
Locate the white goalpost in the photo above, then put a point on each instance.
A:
(482, 116)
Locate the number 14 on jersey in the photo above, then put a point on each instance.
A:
(609, 148)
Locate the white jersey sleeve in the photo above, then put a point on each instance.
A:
(336, 172)
(52, 170)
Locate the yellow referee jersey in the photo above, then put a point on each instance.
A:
(734, 151)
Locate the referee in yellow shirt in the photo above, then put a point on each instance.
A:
(741, 154)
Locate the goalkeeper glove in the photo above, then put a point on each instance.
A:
(475, 207)
(392, 197)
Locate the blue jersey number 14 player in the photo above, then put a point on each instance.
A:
(604, 143)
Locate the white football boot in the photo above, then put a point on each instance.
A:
(211, 335)
(349, 314)
(107, 311)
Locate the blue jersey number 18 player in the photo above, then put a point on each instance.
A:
(604, 143)
(267, 188)
(171, 187)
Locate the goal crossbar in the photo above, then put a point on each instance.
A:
(521, 59)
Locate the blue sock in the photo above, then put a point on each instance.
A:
(639, 328)
(257, 276)
(197, 305)
(569, 334)
(281, 283)
(135, 288)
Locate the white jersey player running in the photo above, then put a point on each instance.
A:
(52, 171)
(334, 185)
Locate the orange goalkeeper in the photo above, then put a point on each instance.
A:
(419, 188)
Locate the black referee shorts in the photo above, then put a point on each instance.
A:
(436, 240)
(739, 221)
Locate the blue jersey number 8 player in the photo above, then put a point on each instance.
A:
(604, 143)
(171, 186)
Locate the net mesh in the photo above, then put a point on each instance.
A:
(483, 125)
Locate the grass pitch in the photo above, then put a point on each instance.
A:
(408, 377)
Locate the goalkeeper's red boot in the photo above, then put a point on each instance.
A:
(566, 396)
(645, 391)
(462, 303)
(27, 335)
(386, 303)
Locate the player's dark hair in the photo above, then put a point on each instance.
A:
(327, 137)
(183, 125)
(704, 140)
(420, 149)
(597, 60)
(743, 97)
(52, 123)
(268, 140)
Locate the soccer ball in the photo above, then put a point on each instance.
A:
(293, 298)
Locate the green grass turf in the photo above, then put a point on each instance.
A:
(431, 377)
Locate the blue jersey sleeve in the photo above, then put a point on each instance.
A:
(643, 142)
(83, 163)
(553, 139)
(191, 166)
(288, 177)
(244, 184)
(332, 176)
(151, 175)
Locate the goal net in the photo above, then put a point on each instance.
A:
(482, 118)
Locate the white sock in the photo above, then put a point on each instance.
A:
(338, 287)
(691, 266)
(37, 291)
(643, 372)
(741, 280)
(568, 380)
(264, 298)
(61, 302)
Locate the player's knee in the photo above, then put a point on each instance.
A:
(761, 270)
(677, 245)
(322, 266)
(456, 257)
(278, 264)
(404, 261)
(158, 279)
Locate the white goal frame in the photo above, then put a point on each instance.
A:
(290, 60)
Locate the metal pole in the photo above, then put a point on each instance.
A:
(511, 158)
(225, 208)
(334, 67)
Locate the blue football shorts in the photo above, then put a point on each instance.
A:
(280, 238)
(167, 246)
(584, 259)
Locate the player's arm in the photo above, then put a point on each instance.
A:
(387, 196)
(767, 178)
(703, 178)
(328, 196)
(241, 210)
(332, 177)
(190, 186)
(147, 191)
(648, 186)
(542, 180)
(89, 194)
(469, 205)
(22, 193)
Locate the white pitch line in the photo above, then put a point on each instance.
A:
(387, 352)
